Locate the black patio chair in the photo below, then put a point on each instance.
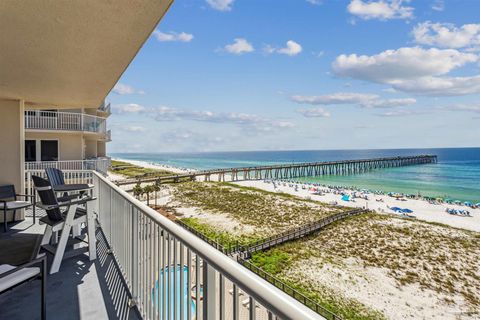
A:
(14, 276)
(59, 221)
(9, 202)
(56, 178)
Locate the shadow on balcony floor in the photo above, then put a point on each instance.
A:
(82, 289)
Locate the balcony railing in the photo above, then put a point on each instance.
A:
(172, 274)
(99, 164)
(65, 121)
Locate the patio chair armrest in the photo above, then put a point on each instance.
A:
(25, 195)
(42, 261)
(76, 202)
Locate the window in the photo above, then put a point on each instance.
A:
(49, 150)
(30, 150)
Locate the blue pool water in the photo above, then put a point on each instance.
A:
(159, 290)
(457, 174)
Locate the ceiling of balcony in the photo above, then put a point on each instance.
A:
(70, 53)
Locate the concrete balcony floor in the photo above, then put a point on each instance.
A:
(82, 289)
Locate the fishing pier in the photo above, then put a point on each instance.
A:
(292, 170)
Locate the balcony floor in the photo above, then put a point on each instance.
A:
(82, 289)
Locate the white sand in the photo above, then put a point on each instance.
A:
(376, 289)
(421, 208)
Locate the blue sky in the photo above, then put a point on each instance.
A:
(224, 75)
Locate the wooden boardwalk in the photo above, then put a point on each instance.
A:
(291, 170)
(297, 233)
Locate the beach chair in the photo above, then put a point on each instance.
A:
(58, 221)
(14, 276)
(56, 178)
(9, 201)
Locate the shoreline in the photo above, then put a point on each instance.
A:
(422, 209)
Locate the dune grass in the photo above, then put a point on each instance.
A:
(132, 171)
(432, 256)
(253, 207)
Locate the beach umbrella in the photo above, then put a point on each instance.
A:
(477, 204)
(406, 210)
(346, 198)
(396, 209)
(457, 201)
(467, 203)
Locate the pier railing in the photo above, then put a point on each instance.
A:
(293, 170)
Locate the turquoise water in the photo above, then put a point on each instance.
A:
(157, 292)
(456, 175)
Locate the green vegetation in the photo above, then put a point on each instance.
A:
(433, 256)
(260, 209)
(132, 171)
(226, 239)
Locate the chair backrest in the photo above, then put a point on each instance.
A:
(55, 176)
(7, 192)
(47, 197)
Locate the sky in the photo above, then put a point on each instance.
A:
(237, 75)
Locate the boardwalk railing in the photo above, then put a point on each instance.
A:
(65, 121)
(173, 274)
(327, 314)
(297, 233)
(99, 164)
(295, 170)
(228, 250)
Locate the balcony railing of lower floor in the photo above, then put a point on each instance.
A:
(98, 164)
(172, 274)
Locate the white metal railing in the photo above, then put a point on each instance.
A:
(98, 164)
(172, 274)
(68, 121)
(71, 176)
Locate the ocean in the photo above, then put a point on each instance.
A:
(455, 176)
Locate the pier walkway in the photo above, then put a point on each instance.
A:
(291, 170)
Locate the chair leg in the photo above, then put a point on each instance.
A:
(44, 289)
(5, 226)
(14, 215)
(46, 236)
(34, 213)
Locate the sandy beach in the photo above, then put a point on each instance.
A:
(422, 209)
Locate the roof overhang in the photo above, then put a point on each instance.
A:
(71, 53)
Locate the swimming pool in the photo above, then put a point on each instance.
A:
(159, 290)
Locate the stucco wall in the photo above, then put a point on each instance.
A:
(11, 142)
(90, 148)
(70, 145)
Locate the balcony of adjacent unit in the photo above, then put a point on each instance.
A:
(59, 121)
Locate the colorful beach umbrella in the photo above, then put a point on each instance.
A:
(406, 210)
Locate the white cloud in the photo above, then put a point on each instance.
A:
(380, 9)
(441, 86)
(389, 103)
(221, 5)
(314, 2)
(134, 129)
(123, 89)
(128, 108)
(173, 36)
(335, 98)
(364, 100)
(292, 48)
(314, 113)
(438, 5)
(239, 46)
(447, 35)
(463, 107)
(400, 113)
(392, 66)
